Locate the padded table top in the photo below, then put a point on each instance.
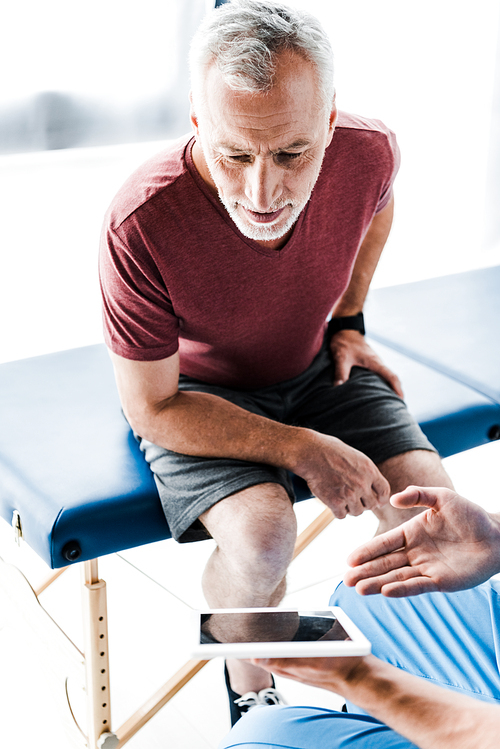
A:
(71, 467)
(69, 462)
(452, 324)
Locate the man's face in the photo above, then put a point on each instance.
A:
(262, 152)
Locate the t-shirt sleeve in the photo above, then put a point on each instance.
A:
(138, 316)
(394, 159)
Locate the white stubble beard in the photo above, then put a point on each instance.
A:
(262, 232)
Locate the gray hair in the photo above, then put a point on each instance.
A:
(243, 38)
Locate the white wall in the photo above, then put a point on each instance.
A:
(426, 68)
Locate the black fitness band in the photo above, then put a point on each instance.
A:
(354, 322)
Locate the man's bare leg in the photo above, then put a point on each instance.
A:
(255, 532)
(420, 467)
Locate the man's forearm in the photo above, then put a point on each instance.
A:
(204, 425)
(207, 426)
(430, 716)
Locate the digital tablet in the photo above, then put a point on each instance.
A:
(276, 633)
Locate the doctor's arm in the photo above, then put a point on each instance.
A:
(429, 716)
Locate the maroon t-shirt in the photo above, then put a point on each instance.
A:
(177, 274)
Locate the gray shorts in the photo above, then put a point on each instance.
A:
(364, 412)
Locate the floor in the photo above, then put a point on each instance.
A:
(152, 590)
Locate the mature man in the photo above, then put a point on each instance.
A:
(433, 681)
(221, 260)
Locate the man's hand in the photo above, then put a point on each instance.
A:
(345, 479)
(349, 349)
(452, 546)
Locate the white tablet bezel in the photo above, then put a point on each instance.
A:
(357, 645)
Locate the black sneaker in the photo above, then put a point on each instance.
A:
(240, 704)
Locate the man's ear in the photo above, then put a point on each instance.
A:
(192, 115)
(332, 121)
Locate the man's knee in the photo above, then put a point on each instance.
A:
(255, 529)
(418, 467)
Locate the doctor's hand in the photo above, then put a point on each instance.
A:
(350, 349)
(333, 674)
(453, 545)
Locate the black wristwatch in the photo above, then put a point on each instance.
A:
(354, 322)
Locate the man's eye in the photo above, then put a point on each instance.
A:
(285, 157)
(239, 158)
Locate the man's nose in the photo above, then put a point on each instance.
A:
(263, 184)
